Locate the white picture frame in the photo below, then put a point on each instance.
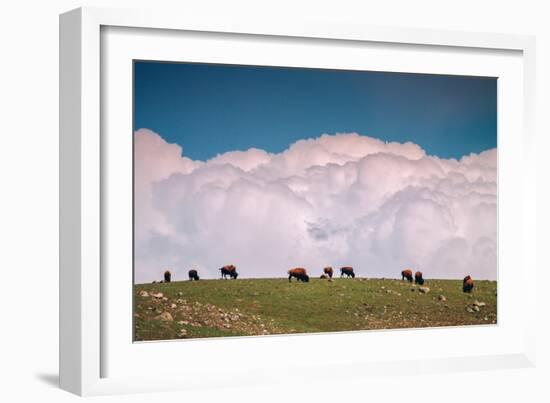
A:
(90, 340)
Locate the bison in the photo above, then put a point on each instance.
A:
(418, 279)
(299, 273)
(167, 276)
(348, 271)
(328, 271)
(193, 275)
(467, 284)
(230, 271)
(408, 275)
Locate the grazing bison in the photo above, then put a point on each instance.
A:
(418, 279)
(230, 271)
(467, 284)
(348, 271)
(328, 271)
(299, 273)
(407, 274)
(167, 276)
(193, 275)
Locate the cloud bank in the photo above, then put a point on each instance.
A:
(337, 200)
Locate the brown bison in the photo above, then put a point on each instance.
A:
(348, 271)
(407, 274)
(418, 279)
(328, 271)
(230, 271)
(299, 273)
(167, 276)
(193, 275)
(467, 284)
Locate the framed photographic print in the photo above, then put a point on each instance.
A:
(238, 196)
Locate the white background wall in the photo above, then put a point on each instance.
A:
(29, 188)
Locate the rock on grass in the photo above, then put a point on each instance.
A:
(165, 317)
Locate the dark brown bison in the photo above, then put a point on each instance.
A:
(299, 273)
(193, 275)
(230, 271)
(328, 271)
(347, 271)
(167, 276)
(407, 274)
(467, 284)
(418, 279)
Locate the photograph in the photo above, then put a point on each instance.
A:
(276, 200)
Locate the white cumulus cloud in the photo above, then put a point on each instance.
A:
(343, 199)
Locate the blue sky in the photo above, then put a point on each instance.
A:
(211, 109)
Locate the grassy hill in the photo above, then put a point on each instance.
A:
(213, 308)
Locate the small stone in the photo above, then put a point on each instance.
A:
(469, 309)
(143, 293)
(165, 317)
(442, 298)
(180, 294)
(165, 299)
(477, 303)
(173, 306)
(476, 308)
(183, 322)
(157, 295)
(424, 290)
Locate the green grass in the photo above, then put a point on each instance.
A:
(213, 308)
